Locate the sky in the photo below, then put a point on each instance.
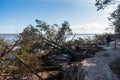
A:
(82, 15)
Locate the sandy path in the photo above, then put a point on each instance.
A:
(97, 68)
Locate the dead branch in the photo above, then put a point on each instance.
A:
(27, 66)
(73, 37)
(59, 47)
(9, 48)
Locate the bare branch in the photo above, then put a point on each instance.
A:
(27, 66)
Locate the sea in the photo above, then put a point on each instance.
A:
(12, 37)
(9, 36)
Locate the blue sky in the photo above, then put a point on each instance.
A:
(15, 15)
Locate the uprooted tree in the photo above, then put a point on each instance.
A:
(32, 40)
(46, 37)
(38, 48)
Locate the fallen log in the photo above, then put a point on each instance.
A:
(60, 47)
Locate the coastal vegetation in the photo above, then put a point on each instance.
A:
(44, 52)
(43, 48)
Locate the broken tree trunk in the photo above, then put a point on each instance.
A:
(60, 47)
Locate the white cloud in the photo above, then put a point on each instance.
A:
(90, 28)
(83, 29)
(10, 29)
(110, 8)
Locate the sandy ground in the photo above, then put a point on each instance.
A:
(97, 67)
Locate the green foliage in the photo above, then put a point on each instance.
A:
(63, 32)
(101, 4)
(33, 38)
(4, 45)
(28, 37)
(55, 32)
(28, 58)
(115, 18)
(42, 37)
